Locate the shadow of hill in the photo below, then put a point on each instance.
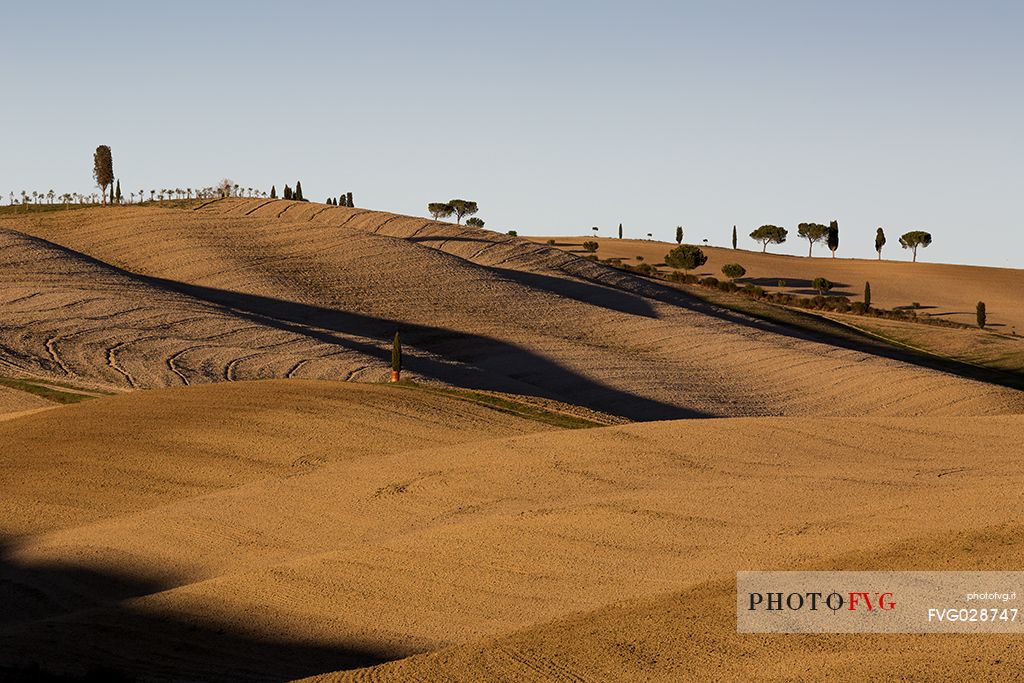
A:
(89, 629)
(790, 282)
(583, 291)
(468, 360)
(486, 363)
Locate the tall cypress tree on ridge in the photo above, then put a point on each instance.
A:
(833, 237)
(298, 190)
(273, 191)
(103, 169)
(734, 237)
(620, 231)
(348, 200)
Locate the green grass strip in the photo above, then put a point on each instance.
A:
(48, 393)
(508, 406)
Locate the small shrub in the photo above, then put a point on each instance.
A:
(821, 284)
(686, 257)
(592, 257)
(915, 305)
(733, 270)
(859, 307)
(782, 283)
(590, 246)
(646, 268)
(551, 243)
(640, 259)
(727, 286)
(709, 281)
(511, 233)
(753, 291)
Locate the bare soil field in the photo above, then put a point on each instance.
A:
(300, 532)
(140, 297)
(196, 526)
(15, 401)
(944, 290)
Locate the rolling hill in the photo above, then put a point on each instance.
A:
(311, 526)
(944, 290)
(252, 503)
(141, 297)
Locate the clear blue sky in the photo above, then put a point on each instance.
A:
(554, 116)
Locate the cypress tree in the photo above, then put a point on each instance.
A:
(620, 231)
(287, 192)
(103, 170)
(867, 295)
(273, 191)
(833, 237)
(341, 200)
(396, 358)
(981, 314)
(679, 234)
(298, 190)
(118, 193)
(734, 237)
(348, 200)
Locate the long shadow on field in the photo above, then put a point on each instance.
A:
(468, 360)
(480, 362)
(65, 622)
(583, 291)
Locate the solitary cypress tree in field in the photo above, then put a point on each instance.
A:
(734, 237)
(396, 358)
(620, 231)
(679, 234)
(833, 237)
(879, 242)
(348, 200)
(273, 191)
(103, 169)
(867, 295)
(298, 190)
(981, 314)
